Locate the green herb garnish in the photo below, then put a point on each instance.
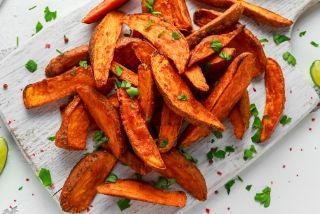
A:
(182, 97)
(31, 8)
(175, 36)
(218, 134)
(225, 56)
(303, 33)
(256, 137)
(59, 52)
(17, 41)
(132, 92)
(257, 123)
(229, 184)
(123, 204)
(52, 138)
(216, 45)
(188, 156)
(112, 178)
(285, 120)
(314, 44)
(278, 39)
(249, 153)
(31, 66)
(264, 197)
(149, 24)
(164, 183)
(287, 56)
(119, 70)
(248, 187)
(39, 27)
(49, 15)
(263, 40)
(164, 143)
(254, 110)
(149, 4)
(20, 188)
(99, 138)
(83, 64)
(45, 177)
(161, 33)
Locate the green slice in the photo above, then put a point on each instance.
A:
(3, 153)
(315, 72)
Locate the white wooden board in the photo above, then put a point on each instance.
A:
(31, 128)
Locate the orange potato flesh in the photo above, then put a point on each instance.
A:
(186, 174)
(113, 99)
(203, 50)
(52, 89)
(237, 122)
(171, 87)
(204, 16)
(275, 98)
(244, 108)
(127, 74)
(143, 51)
(226, 20)
(73, 132)
(131, 160)
(137, 131)
(194, 133)
(147, 91)
(216, 64)
(102, 46)
(196, 78)
(80, 187)
(106, 117)
(151, 26)
(169, 128)
(143, 191)
(67, 61)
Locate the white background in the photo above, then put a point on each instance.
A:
(291, 168)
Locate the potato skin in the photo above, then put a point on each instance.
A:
(143, 191)
(204, 16)
(196, 78)
(127, 74)
(79, 189)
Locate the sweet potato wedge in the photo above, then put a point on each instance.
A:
(113, 99)
(147, 91)
(67, 61)
(275, 98)
(237, 122)
(102, 45)
(143, 51)
(244, 107)
(164, 36)
(204, 49)
(226, 20)
(196, 78)
(216, 64)
(80, 187)
(73, 132)
(102, 9)
(204, 16)
(131, 160)
(52, 89)
(124, 53)
(106, 117)
(169, 129)
(137, 131)
(194, 133)
(187, 175)
(178, 96)
(124, 73)
(142, 191)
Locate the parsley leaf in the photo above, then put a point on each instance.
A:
(188, 156)
(220, 153)
(112, 178)
(182, 97)
(45, 177)
(175, 36)
(39, 27)
(225, 56)
(161, 33)
(249, 153)
(49, 15)
(52, 138)
(278, 39)
(20, 188)
(263, 40)
(264, 197)
(31, 66)
(314, 44)
(239, 178)
(164, 143)
(248, 187)
(285, 120)
(99, 138)
(119, 70)
(149, 24)
(229, 149)
(31, 8)
(216, 45)
(132, 92)
(303, 33)
(164, 183)
(149, 4)
(254, 110)
(17, 41)
(257, 123)
(84, 64)
(123, 204)
(218, 134)
(287, 56)
(59, 52)
(229, 184)
(256, 137)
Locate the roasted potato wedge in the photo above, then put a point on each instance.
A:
(102, 45)
(137, 131)
(169, 129)
(229, 18)
(124, 73)
(244, 107)
(67, 61)
(204, 49)
(147, 91)
(73, 132)
(113, 99)
(203, 16)
(131, 160)
(52, 89)
(80, 187)
(275, 98)
(235, 118)
(124, 47)
(187, 175)
(216, 64)
(178, 96)
(142, 191)
(164, 36)
(196, 78)
(143, 51)
(106, 117)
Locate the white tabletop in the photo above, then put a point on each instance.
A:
(290, 168)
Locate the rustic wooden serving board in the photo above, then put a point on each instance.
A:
(31, 128)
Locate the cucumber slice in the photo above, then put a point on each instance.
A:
(315, 72)
(3, 153)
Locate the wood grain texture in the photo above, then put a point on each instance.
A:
(31, 128)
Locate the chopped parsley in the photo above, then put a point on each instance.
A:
(164, 143)
(119, 70)
(17, 41)
(99, 138)
(149, 24)
(123, 204)
(303, 33)
(164, 183)
(263, 40)
(229, 184)
(287, 56)
(49, 15)
(161, 33)
(254, 110)
(112, 178)
(182, 97)
(39, 27)
(31, 8)
(59, 52)
(83, 64)
(216, 45)
(264, 197)
(20, 188)
(188, 156)
(248, 187)
(52, 138)
(239, 178)
(256, 137)
(285, 120)
(149, 4)
(249, 153)
(175, 36)
(132, 92)
(278, 38)
(124, 84)
(45, 177)
(220, 153)
(225, 56)
(257, 123)
(314, 44)
(31, 66)
(217, 134)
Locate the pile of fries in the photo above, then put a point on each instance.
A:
(139, 90)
